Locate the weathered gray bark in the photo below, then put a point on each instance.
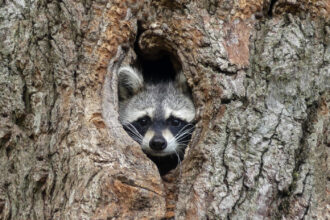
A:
(259, 73)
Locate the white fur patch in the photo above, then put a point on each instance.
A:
(167, 134)
(172, 145)
(146, 139)
(136, 114)
(184, 114)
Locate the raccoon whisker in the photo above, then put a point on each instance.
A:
(170, 142)
(179, 160)
(183, 134)
(180, 149)
(184, 127)
(183, 137)
(182, 144)
(130, 127)
(134, 137)
(179, 138)
(189, 130)
(134, 133)
(177, 154)
(182, 140)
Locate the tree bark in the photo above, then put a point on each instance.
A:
(259, 73)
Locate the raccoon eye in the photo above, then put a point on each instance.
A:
(144, 121)
(174, 121)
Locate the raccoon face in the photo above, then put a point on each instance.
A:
(161, 137)
(158, 116)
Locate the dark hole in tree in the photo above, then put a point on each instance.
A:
(160, 68)
(160, 65)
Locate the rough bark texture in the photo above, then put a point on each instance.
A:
(259, 72)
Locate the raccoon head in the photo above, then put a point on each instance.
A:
(158, 116)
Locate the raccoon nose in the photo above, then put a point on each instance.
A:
(157, 143)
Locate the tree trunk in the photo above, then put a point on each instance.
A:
(259, 73)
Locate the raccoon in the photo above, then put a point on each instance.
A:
(157, 115)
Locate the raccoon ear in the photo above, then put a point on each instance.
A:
(130, 82)
(181, 82)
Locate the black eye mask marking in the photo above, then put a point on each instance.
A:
(142, 124)
(138, 128)
(174, 122)
(180, 129)
(144, 121)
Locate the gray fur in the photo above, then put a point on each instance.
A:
(130, 82)
(157, 96)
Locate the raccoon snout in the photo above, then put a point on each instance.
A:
(157, 143)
